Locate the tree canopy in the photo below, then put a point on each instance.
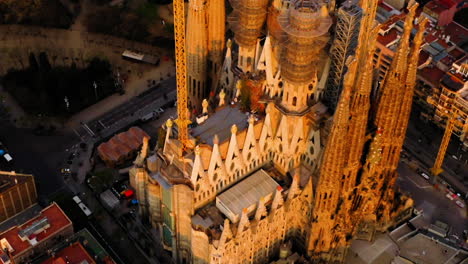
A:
(32, 12)
(59, 91)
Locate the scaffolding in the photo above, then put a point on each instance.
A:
(344, 44)
(247, 20)
(306, 26)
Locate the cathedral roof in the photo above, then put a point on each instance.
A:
(246, 194)
(220, 124)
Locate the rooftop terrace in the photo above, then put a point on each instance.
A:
(72, 254)
(260, 184)
(246, 194)
(10, 179)
(220, 124)
(56, 222)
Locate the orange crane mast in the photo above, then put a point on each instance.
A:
(437, 168)
(181, 73)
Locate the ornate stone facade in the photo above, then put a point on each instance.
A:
(197, 53)
(318, 199)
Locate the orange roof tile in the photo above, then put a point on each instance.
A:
(390, 37)
(58, 261)
(121, 144)
(458, 34)
(430, 38)
(75, 253)
(457, 53)
(56, 219)
(423, 56)
(438, 7)
(432, 75)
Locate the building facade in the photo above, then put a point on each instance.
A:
(17, 193)
(452, 102)
(441, 67)
(256, 180)
(21, 242)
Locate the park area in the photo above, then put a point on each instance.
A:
(30, 12)
(59, 91)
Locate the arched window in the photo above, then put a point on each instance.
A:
(194, 87)
(199, 88)
(294, 101)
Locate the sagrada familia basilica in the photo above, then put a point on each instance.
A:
(316, 168)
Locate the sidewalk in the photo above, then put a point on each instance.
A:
(426, 151)
(132, 89)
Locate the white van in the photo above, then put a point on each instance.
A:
(425, 176)
(7, 157)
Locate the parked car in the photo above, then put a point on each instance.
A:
(425, 175)
(449, 196)
(159, 111)
(460, 204)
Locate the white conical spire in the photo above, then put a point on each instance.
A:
(227, 233)
(261, 210)
(243, 222)
(277, 199)
(294, 189)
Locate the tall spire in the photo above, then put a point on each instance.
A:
(411, 79)
(392, 120)
(306, 25)
(392, 95)
(247, 19)
(197, 41)
(359, 110)
(216, 17)
(226, 76)
(331, 171)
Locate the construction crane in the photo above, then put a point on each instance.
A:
(451, 122)
(437, 168)
(181, 74)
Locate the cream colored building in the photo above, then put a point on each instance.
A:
(247, 186)
(453, 98)
(186, 199)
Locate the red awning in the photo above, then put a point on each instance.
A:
(128, 193)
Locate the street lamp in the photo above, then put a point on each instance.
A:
(95, 90)
(67, 103)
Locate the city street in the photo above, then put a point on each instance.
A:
(41, 156)
(45, 156)
(432, 202)
(423, 142)
(129, 112)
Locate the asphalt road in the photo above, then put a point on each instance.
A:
(432, 202)
(41, 156)
(423, 141)
(130, 111)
